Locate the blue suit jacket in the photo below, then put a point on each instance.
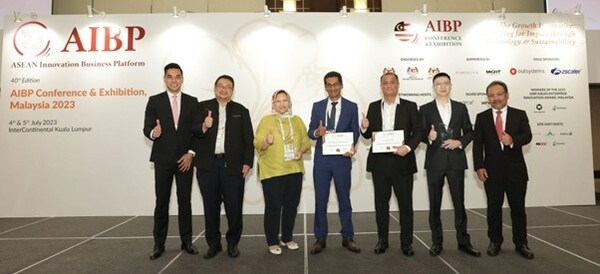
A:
(348, 122)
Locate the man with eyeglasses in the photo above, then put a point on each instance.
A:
(226, 155)
(331, 115)
(448, 132)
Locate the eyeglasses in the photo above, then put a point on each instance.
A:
(219, 86)
(444, 84)
(336, 85)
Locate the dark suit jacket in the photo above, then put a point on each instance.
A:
(172, 144)
(460, 128)
(487, 151)
(348, 122)
(239, 135)
(407, 119)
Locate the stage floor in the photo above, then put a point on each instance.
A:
(564, 239)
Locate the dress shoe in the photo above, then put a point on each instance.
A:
(189, 248)
(493, 249)
(408, 250)
(212, 251)
(435, 249)
(381, 246)
(524, 251)
(469, 250)
(157, 252)
(275, 250)
(233, 251)
(291, 245)
(318, 246)
(351, 245)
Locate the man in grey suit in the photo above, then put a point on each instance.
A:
(449, 132)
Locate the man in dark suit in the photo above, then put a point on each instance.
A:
(500, 134)
(450, 131)
(393, 170)
(333, 114)
(225, 157)
(168, 124)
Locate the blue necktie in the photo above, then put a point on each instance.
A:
(331, 118)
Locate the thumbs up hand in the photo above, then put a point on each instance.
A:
(208, 121)
(321, 130)
(270, 137)
(364, 122)
(432, 134)
(157, 130)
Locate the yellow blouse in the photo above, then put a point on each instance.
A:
(271, 161)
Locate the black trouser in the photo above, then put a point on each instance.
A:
(163, 181)
(456, 184)
(282, 196)
(384, 179)
(515, 193)
(217, 187)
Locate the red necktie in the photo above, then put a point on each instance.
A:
(499, 124)
(175, 109)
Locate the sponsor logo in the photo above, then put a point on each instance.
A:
(468, 103)
(466, 72)
(549, 133)
(539, 106)
(433, 71)
(566, 133)
(515, 71)
(413, 74)
(557, 71)
(555, 143)
(492, 72)
(541, 143)
(405, 32)
(32, 39)
(555, 108)
(437, 33)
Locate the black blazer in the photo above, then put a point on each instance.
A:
(239, 136)
(487, 151)
(460, 128)
(407, 119)
(172, 144)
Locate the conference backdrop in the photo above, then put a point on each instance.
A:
(74, 90)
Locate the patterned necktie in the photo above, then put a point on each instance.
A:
(175, 110)
(499, 124)
(331, 118)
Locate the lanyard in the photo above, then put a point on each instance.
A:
(291, 129)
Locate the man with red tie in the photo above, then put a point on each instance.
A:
(168, 123)
(500, 134)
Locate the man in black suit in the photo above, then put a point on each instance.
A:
(395, 169)
(224, 160)
(450, 131)
(168, 124)
(500, 134)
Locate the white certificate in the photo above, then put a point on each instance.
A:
(387, 141)
(337, 143)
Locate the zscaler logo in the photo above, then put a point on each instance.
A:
(32, 39)
(557, 71)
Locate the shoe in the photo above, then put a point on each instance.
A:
(212, 251)
(318, 246)
(469, 250)
(157, 252)
(351, 245)
(291, 245)
(435, 249)
(275, 250)
(493, 249)
(189, 248)
(524, 251)
(408, 250)
(233, 251)
(381, 246)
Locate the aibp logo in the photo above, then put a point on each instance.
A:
(32, 39)
(557, 71)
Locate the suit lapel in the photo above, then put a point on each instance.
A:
(453, 114)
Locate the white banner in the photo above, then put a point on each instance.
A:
(74, 91)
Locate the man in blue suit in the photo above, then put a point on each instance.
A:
(333, 114)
